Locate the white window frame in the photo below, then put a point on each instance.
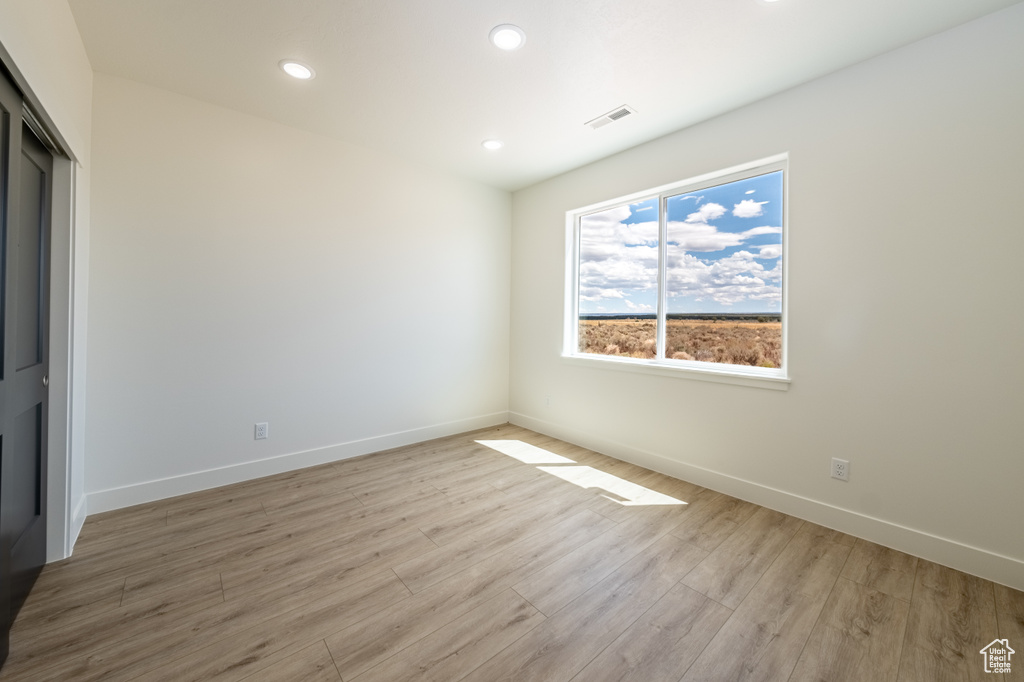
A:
(760, 377)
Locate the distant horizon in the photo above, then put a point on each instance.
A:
(680, 316)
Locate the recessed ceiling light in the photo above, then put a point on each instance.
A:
(492, 144)
(297, 69)
(507, 37)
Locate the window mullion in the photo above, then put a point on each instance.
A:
(574, 332)
(662, 272)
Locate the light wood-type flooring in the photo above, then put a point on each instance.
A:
(495, 555)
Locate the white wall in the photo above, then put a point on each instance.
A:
(42, 41)
(906, 330)
(244, 271)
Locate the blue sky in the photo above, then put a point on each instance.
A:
(724, 252)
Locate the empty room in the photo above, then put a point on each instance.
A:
(593, 340)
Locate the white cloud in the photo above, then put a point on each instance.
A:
(748, 208)
(612, 269)
(611, 216)
(726, 281)
(707, 212)
(750, 191)
(645, 208)
(619, 262)
(694, 236)
(701, 237)
(767, 229)
(697, 234)
(601, 239)
(592, 293)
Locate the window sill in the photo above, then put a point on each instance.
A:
(738, 377)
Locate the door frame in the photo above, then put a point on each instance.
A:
(66, 507)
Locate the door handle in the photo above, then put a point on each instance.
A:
(46, 380)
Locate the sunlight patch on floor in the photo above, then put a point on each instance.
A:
(617, 489)
(524, 452)
(625, 492)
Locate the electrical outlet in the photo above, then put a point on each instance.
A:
(262, 430)
(840, 469)
(547, 401)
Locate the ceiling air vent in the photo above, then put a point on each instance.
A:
(612, 116)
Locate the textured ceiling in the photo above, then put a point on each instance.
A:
(420, 80)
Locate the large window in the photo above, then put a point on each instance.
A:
(689, 276)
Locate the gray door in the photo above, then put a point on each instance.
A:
(24, 296)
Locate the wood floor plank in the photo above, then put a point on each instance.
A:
(434, 566)
(302, 504)
(526, 511)
(452, 651)
(157, 550)
(565, 643)
(369, 485)
(763, 638)
(201, 513)
(858, 637)
(121, 522)
(728, 573)
(469, 476)
(354, 473)
(378, 637)
(319, 535)
(540, 486)
(39, 648)
(1010, 618)
(673, 487)
(882, 569)
(654, 482)
(613, 493)
(322, 568)
(828, 535)
(556, 585)
(334, 505)
(184, 557)
(1010, 614)
(472, 513)
(952, 616)
(288, 480)
(264, 547)
(66, 602)
(167, 637)
(712, 518)
(326, 481)
(276, 639)
(662, 643)
(519, 475)
(153, 547)
(312, 664)
(141, 587)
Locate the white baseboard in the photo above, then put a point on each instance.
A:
(974, 560)
(149, 491)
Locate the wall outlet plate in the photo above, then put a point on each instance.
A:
(840, 469)
(262, 430)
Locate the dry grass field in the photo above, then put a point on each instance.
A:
(758, 344)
